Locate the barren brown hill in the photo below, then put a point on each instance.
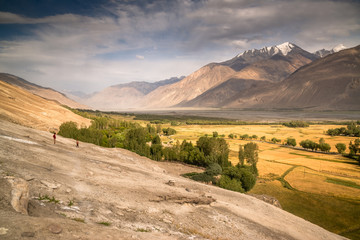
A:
(188, 88)
(47, 93)
(257, 74)
(203, 88)
(22, 107)
(101, 193)
(332, 82)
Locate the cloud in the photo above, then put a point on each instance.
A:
(180, 36)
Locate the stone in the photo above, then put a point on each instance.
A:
(68, 190)
(171, 183)
(54, 228)
(19, 194)
(28, 234)
(50, 185)
(3, 231)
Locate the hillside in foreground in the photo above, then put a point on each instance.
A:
(115, 194)
(22, 107)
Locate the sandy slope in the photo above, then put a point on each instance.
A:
(130, 192)
(20, 106)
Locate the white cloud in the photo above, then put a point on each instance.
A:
(72, 51)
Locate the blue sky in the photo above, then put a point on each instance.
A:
(88, 45)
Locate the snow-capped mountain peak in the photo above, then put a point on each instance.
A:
(283, 48)
(339, 48)
(323, 52)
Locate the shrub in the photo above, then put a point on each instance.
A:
(230, 184)
(291, 142)
(213, 169)
(341, 147)
(169, 131)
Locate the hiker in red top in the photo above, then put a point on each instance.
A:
(54, 136)
(77, 143)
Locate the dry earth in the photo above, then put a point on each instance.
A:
(22, 107)
(128, 192)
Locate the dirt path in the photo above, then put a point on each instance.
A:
(116, 194)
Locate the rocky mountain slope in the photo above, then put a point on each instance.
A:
(22, 107)
(332, 82)
(100, 193)
(46, 93)
(254, 68)
(188, 88)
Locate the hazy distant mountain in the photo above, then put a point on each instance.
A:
(254, 69)
(323, 52)
(47, 93)
(124, 96)
(332, 82)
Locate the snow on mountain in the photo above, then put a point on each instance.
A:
(338, 48)
(323, 52)
(283, 48)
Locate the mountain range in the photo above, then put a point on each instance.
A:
(278, 77)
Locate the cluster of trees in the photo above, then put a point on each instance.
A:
(168, 131)
(351, 130)
(207, 150)
(103, 131)
(240, 178)
(322, 146)
(295, 124)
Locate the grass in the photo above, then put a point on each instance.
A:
(142, 230)
(79, 220)
(343, 182)
(47, 198)
(330, 212)
(322, 159)
(104, 223)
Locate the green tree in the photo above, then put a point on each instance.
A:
(215, 134)
(231, 135)
(241, 156)
(354, 147)
(341, 147)
(69, 130)
(291, 142)
(156, 152)
(156, 140)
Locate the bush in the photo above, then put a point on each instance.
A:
(291, 142)
(230, 184)
(213, 169)
(341, 147)
(199, 177)
(275, 140)
(169, 131)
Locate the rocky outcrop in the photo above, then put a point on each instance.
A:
(19, 194)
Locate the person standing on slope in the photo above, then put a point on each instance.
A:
(54, 137)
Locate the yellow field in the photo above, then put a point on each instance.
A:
(324, 188)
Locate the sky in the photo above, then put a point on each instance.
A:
(88, 45)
